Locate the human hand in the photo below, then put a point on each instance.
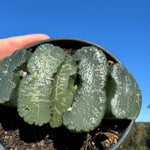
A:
(9, 45)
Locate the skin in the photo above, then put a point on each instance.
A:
(9, 45)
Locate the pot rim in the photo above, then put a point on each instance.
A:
(81, 41)
(61, 40)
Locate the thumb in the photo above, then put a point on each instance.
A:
(9, 45)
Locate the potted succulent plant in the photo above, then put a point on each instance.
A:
(76, 87)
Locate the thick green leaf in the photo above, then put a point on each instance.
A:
(123, 94)
(62, 95)
(89, 103)
(10, 76)
(34, 99)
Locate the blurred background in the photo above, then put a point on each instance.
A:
(121, 26)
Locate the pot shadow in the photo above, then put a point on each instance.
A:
(62, 138)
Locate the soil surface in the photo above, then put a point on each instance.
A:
(15, 134)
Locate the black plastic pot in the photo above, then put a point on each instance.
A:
(76, 44)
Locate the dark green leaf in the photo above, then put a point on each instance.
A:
(9, 74)
(89, 103)
(34, 100)
(123, 94)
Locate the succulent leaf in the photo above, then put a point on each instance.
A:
(89, 103)
(9, 74)
(34, 99)
(63, 94)
(123, 94)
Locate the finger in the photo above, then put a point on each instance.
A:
(9, 45)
